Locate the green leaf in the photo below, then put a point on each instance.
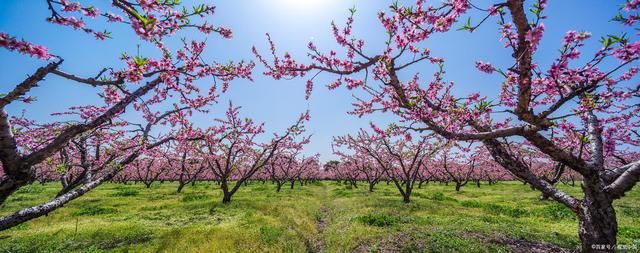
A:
(606, 42)
(199, 9)
(584, 139)
(394, 5)
(171, 2)
(482, 106)
(149, 23)
(352, 10)
(467, 26)
(62, 167)
(107, 34)
(619, 18)
(141, 18)
(140, 61)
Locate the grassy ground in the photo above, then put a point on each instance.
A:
(325, 217)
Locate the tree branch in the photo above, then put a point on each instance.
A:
(625, 182)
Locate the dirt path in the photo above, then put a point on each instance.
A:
(520, 245)
(318, 240)
(318, 243)
(525, 246)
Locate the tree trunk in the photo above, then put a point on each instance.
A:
(597, 219)
(407, 191)
(226, 195)
(278, 187)
(293, 183)
(226, 198)
(406, 198)
(180, 186)
(371, 185)
(458, 186)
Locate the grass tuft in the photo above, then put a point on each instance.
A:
(556, 211)
(190, 197)
(270, 234)
(95, 210)
(381, 219)
(125, 192)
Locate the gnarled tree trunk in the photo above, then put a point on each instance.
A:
(597, 219)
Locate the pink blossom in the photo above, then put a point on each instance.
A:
(485, 67)
(308, 89)
(534, 36)
(70, 7)
(91, 12)
(493, 10)
(225, 32)
(628, 51)
(23, 47)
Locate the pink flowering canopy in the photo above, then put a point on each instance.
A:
(556, 106)
(140, 81)
(431, 101)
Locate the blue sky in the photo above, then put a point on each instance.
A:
(291, 23)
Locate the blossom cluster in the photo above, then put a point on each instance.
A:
(23, 47)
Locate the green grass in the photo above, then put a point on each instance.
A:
(325, 215)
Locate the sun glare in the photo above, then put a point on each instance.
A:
(303, 5)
